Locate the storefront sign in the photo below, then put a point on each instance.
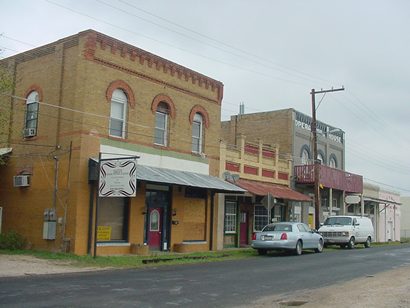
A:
(103, 233)
(118, 178)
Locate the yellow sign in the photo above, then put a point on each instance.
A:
(103, 233)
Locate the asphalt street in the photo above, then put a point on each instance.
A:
(217, 284)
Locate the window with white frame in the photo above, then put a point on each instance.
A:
(161, 124)
(32, 112)
(305, 157)
(332, 162)
(261, 217)
(197, 133)
(230, 217)
(320, 158)
(118, 113)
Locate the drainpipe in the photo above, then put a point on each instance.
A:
(211, 230)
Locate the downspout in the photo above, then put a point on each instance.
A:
(211, 228)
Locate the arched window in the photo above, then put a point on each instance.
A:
(161, 124)
(154, 221)
(197, 133)
(332, 161)
(305, 156)
(31, 114)
(118, 113)
(320, 158)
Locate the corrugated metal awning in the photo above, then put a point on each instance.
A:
(376, 200)
(5, 151)
(277, 191)
(183, 178)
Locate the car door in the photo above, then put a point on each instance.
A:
(305, 236)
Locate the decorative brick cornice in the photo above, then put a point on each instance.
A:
(166, 99)
(119, 84)
(34, 87)
(202, 111)
(95, 39)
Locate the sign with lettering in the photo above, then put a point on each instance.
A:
(118, 178)
(103, 233)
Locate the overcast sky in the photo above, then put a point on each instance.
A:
(269, 54)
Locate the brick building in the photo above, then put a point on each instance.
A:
(264, 173)
(290, 130)
(89, 94)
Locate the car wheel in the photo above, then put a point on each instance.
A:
(262, 252)
(367, 243)
(351, 243)
(299, 247)
(319, 248)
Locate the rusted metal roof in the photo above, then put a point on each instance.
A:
(277, 191)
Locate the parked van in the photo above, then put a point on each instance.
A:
(347, 231)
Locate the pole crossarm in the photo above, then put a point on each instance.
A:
(326, 91)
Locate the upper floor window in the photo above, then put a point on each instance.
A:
(305, 156)
(320, 158)
(161, 124)
(118, 113)
(197, 133)
(332, 162)
(30, 125)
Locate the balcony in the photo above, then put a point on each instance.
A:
(330, 178)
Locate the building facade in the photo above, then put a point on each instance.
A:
(90, 96)
(264, 173)
(291, 130)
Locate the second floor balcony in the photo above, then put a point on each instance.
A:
(330, 178)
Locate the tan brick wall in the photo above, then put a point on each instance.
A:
(72, 77)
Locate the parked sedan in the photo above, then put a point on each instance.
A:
(294, 236)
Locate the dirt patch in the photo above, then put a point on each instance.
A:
(386, 289)
(20, 265)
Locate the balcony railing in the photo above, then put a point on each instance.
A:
(330, 177)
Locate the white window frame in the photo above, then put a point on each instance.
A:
(123, 101)
(198, 120)
(332, 162)
(305, 157)
(230, 221)
(163, 130)
(267, 216)
(32, 98)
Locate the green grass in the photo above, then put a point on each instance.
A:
(135, 261)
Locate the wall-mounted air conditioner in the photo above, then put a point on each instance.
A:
(29, 132)
(21, 180)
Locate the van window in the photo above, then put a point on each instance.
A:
(343, 221)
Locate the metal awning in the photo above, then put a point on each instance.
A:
(376, 200)
(277, 191)
(183, 178)
(5, 151)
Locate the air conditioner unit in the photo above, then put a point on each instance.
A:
(21, 180)
(29, 132)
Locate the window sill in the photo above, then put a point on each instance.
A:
(104, 244)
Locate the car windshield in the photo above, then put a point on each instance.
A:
(343, 221)
(278, 227)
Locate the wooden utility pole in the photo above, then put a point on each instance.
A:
(315, 160)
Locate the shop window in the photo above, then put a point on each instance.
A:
(261, 217)
(113, 217)
(230, 217)
(118, 113)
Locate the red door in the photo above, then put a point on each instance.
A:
(154, 228)
(243, 229)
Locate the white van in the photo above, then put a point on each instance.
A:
(347, 231)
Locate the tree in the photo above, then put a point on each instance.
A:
(6, 85)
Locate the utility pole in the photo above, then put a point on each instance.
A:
(315, 160)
